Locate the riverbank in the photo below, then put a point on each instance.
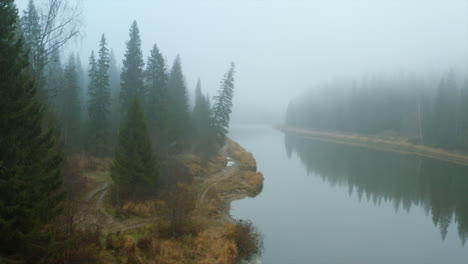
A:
(399, 145)
(145, 234)
(237, 180)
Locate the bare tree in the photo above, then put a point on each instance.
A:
(48, 28)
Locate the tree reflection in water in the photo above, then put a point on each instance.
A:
(439, 187)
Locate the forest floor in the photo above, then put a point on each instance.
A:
(143, 232)
(391, 144)
(231, 176)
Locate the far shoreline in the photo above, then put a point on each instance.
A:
(398, 145)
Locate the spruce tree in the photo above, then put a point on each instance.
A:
(178, 104)
(132, 72)
(81, 75)
(135, 168)
(158, 98)
(52, 83)
(114, 75)
(114, 83)
(203, 123)
(31, 28)
(223, 106)
(92, 81)
(30, 158)
(71, 106)
(198, 99)
(99, 101)
(446, 112)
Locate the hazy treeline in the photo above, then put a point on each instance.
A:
(424, 109)
(405, 181)
(51, 106)
(91, 108)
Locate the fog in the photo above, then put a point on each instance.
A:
(282, 48)
(323, 131)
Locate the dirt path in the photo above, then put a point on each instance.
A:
(93, 215)
(224, 174)
(95, 191)
(92, 212)
(382, 144)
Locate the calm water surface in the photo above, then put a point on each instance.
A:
(329, 203)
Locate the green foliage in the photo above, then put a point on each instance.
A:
(223, 106)
(248, 239)
(52, 84)
(31, 29)
(71, 106)
(99, 102)
(30, 157)
(135, 166)
(132, 72)
(203, 123)
(179, 122)
(445, 120)
(158, 97)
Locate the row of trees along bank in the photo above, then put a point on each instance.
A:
(425, 110)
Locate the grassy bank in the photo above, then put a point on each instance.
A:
(399, 145)
(144, 232)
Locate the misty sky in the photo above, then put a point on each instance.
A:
(282, 48)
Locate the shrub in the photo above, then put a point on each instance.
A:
(254, 181)
(215, 247)
(248, 240)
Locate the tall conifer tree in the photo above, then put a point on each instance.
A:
(31, 28)
(178, 103)
(135, 166)
(52, 84)
(114, 83)
(99, 100)
(132, 71)
(223, 106)
(203, 123)
(71, 106)
(30, 158)
(158, 97)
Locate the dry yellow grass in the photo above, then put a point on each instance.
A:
(254, 180)
(208, 241)
(127, 245)
(215, 247)
(143, 208)
(215, 164)
(243, 157)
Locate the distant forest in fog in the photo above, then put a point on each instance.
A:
(425, 110)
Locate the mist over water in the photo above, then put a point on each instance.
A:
(328, 203)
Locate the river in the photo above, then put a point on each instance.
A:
(330, 203)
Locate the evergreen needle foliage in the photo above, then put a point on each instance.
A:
(99, 101)
(203, 121)
(71, 106)
(178, 104)
(158, 97)
(223, 106)
(132, 72)
(135, 166)
(30, 158)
